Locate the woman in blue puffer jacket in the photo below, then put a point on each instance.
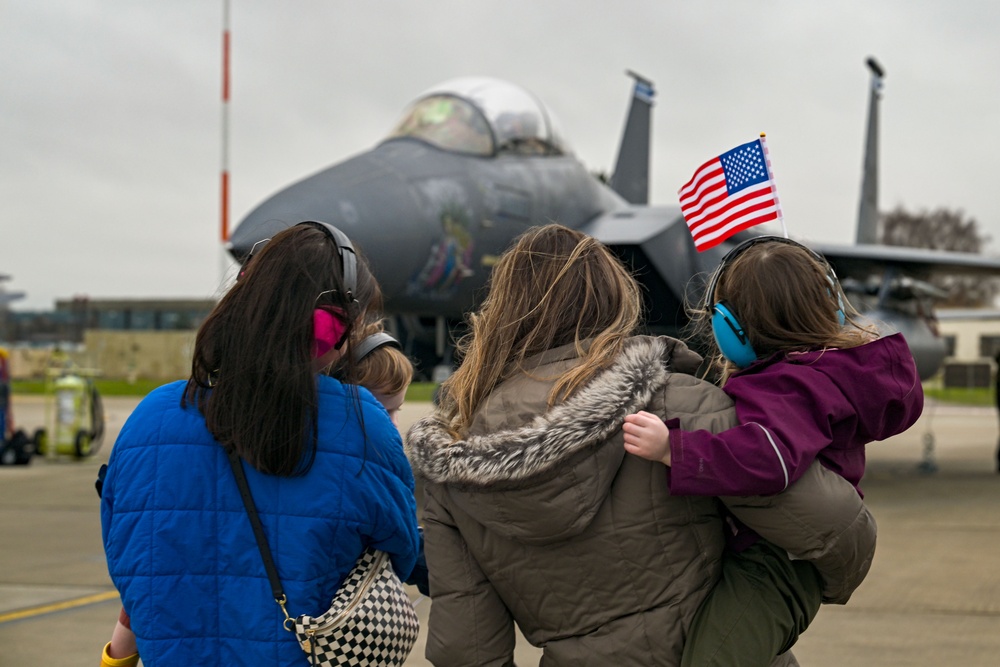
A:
(324, 463)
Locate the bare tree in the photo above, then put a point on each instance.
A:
(943, 229)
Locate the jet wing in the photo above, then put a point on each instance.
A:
(654, 242)
(656, 237)
(633, 224)
(864, 260)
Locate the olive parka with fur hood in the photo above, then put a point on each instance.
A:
(538, 516)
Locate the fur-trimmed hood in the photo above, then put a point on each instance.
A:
(589, 417)
(564, 459)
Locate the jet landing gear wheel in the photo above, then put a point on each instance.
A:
(82, 444)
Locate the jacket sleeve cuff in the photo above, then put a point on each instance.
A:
(108, 661)
(676, 450)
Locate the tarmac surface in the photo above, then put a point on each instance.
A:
(932, 597)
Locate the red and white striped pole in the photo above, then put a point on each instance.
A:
(225, 122)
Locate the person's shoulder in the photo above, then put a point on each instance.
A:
(159, 418)
(684, 383)
(338, 391)
(327, 384)
(340, 413)
(697, 403)
(676, 354)
(682, 388)
(894, 342)
(688, 394)
(160, 399)
(169, 390)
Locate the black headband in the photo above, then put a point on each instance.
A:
(371, 343)
(749, 243)
(348, 258)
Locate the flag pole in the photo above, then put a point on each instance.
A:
(774, 186)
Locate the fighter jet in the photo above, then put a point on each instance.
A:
(472, 164)
(476, 161)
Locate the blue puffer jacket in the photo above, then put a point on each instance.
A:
(181, 550)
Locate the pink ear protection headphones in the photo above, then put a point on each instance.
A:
(330, 324)
(328, 330)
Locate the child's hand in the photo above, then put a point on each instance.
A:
(647, 436)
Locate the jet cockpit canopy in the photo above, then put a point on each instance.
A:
(483, 116)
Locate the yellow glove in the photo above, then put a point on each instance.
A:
(108, 661)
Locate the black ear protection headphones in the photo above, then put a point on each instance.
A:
(730, 334)
(372, 343)
(328, 331)
(348, 258)
(345, 249)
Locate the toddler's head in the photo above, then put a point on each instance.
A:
(381, 367)
(784, 297)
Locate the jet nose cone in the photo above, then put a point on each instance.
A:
(372, 198)
(356, 196)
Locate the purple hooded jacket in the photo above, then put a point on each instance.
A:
(794, 408)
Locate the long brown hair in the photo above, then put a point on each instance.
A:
(252, 375)
(786, 298)
(554, 287)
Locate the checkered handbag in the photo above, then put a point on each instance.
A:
(371, 620)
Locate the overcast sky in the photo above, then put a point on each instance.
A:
(110, 111)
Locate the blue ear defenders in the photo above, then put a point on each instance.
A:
(730, 335)
(732, 340)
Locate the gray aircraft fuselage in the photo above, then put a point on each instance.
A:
(429, 221)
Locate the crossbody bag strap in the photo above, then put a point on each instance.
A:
(258, 531)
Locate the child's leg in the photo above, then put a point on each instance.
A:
(756, 611)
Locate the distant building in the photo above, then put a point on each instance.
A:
(72, 317)
(972, 340)
(137, 314)
(122, 338)
(970, 334)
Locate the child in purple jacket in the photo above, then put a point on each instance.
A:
(807, 384)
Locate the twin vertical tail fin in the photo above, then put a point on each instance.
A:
(868, 211)
(631, 176)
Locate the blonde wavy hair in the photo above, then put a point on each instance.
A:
(555, 286)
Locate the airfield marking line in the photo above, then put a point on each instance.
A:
(58, 606)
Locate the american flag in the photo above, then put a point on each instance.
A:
(730, 193)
